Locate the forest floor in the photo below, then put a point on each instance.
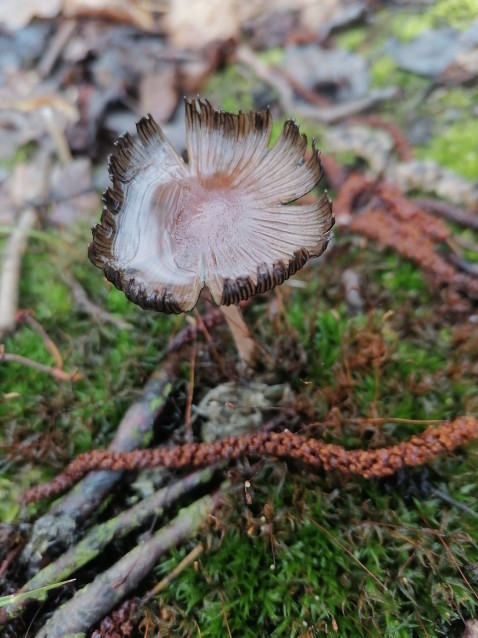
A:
(369, 345)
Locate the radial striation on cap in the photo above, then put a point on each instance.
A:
(225, 220)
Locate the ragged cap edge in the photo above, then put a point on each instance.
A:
(200, 114)
(131, 155)
(123, 163)
(267, 278)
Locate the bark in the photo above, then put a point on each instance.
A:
(98, 537)
(93, 602)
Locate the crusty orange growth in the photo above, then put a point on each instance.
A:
(223, 220)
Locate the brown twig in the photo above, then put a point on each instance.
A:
(180, 567)
(449, 212)
(189, 401)
(192, 332)
(420, 449)
(56, 373)
(402, 146)
(26, 317)
(88, 307)
(326, 114)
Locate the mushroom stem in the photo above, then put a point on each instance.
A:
(240, 333)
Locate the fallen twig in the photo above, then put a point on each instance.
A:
(97, 538)
(26, 317)
(88, 307)
(93, 602)
(449, 211)
(58, 42)
(56, 373)
(10, 274)
(420, 449)
(402, 146)
(326, 114)
(191, 332)
(134, 430)
(180, 567)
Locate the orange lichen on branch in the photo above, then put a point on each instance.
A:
(419, 449)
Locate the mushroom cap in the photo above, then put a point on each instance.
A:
(223, 220)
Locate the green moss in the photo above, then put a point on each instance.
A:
(457, 98)
(381, 71)
(21, 155)
(406, 27)
(455, 13)
(454, 146)
(230, 90)
(271, 56)
(353, 557)
(352, 39)
(442, 13)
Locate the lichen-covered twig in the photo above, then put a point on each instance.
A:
(134, 431)
(374, 463)
(93, 602)
(98, 537)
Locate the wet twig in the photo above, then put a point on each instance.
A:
(98, 537)
(93, 602)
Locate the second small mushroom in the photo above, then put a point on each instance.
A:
(224, 220)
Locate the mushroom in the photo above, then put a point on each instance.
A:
(223, 220)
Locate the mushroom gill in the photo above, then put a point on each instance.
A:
(223, 220)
